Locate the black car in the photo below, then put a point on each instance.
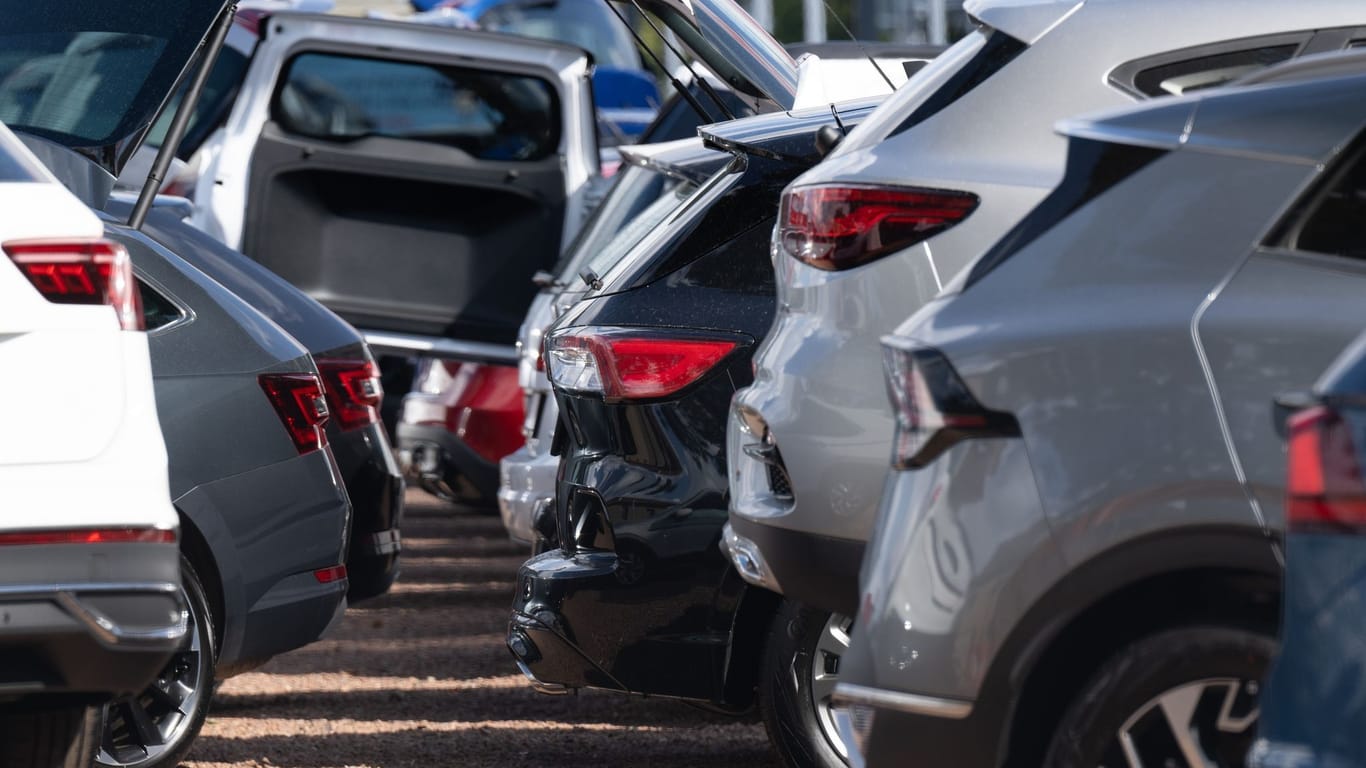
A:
(638, 597)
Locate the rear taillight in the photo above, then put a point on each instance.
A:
(330, 575)
(933, 407)
(81, 272)
(89, 536)
(354, 391)
(298, 399)
(839, 227)
(630, 364)
(1324, 486)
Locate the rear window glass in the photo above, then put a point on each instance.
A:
(1330, 220)
(1208, 71)
(212, 108)
(640, 225)
(955, 72)
(632, 190)
(489, 115)
(91, 73)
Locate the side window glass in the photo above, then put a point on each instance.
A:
(157, 310)
(1194, 74)
(488, 115)
(1332, 219)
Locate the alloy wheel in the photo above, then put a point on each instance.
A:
(825, 673)
(143, 727)
(1204, 724)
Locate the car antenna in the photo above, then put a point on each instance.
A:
(701, 81)
(859, 43)
(209, 48)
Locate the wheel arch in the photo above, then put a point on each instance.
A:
(197, 550)
(1214, 575)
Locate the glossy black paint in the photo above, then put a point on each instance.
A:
(639, 597)
(364, 457)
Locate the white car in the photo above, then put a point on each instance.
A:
(90, 600)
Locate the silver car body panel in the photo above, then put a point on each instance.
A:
(818, 383)
(1139, 344)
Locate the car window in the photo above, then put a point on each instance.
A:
(637, 228)
(157, 310)
(633, 189)
(588, 24)
(489, 115)
(1190, 75)
(1331, 219)
(213, 105)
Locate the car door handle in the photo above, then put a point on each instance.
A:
(1286, 405)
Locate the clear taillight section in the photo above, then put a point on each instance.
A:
(841, 227)
(298, 399)
(1324, 486)
(354, 392)
(630, 364)
(81, 272)
(933, 407)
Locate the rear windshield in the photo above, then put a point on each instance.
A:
(489, 115)
(635, 229)
(210, 110)
(632, 190)
(964, 66)
(93, 73)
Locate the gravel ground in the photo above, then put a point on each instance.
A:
(420, 677)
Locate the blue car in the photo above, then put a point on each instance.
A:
(624, 93)
(1315, 702)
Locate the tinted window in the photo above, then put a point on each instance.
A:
(1190, 75)
(211, 109)
(157, 310)
(1333, 218)
(633, 188)
(639, 226)
(588, 24)
(489, 115)
(964, 66)
(91, 73)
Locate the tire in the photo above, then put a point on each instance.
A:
(155, 728)
(797, 674)
(58, 738)
(1208, 677)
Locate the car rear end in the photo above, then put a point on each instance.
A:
(90, 591)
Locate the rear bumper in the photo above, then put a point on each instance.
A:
(527, 483)
(87, 621)
(959, 734)
(295, 612)
(432, 452)
(375, 485)
(818, 570)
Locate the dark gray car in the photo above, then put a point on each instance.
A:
(1078, 560)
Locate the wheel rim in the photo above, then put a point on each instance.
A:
(141, 728)
(1203, 724)
(825, 673)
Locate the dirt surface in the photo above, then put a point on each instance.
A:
(420, 677)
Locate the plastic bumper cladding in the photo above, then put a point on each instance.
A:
(375, 486)
(87, 620)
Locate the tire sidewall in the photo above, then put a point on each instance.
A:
(1146, 669)
(789, 708)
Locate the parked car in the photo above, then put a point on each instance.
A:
(654, 180)
(90, 590)
(1077, 560)
(945, 168)
(263, 513)
(643, 368)
(1310, 710)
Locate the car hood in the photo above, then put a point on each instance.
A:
(725, 38)
(92, 75)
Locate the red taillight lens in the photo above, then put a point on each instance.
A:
(330, 575)
(82, 272)
(89, 536)
(298, 398)
(1324, 486)
(933, 407)
(625, 364)
(836, 228)
(354, 391)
